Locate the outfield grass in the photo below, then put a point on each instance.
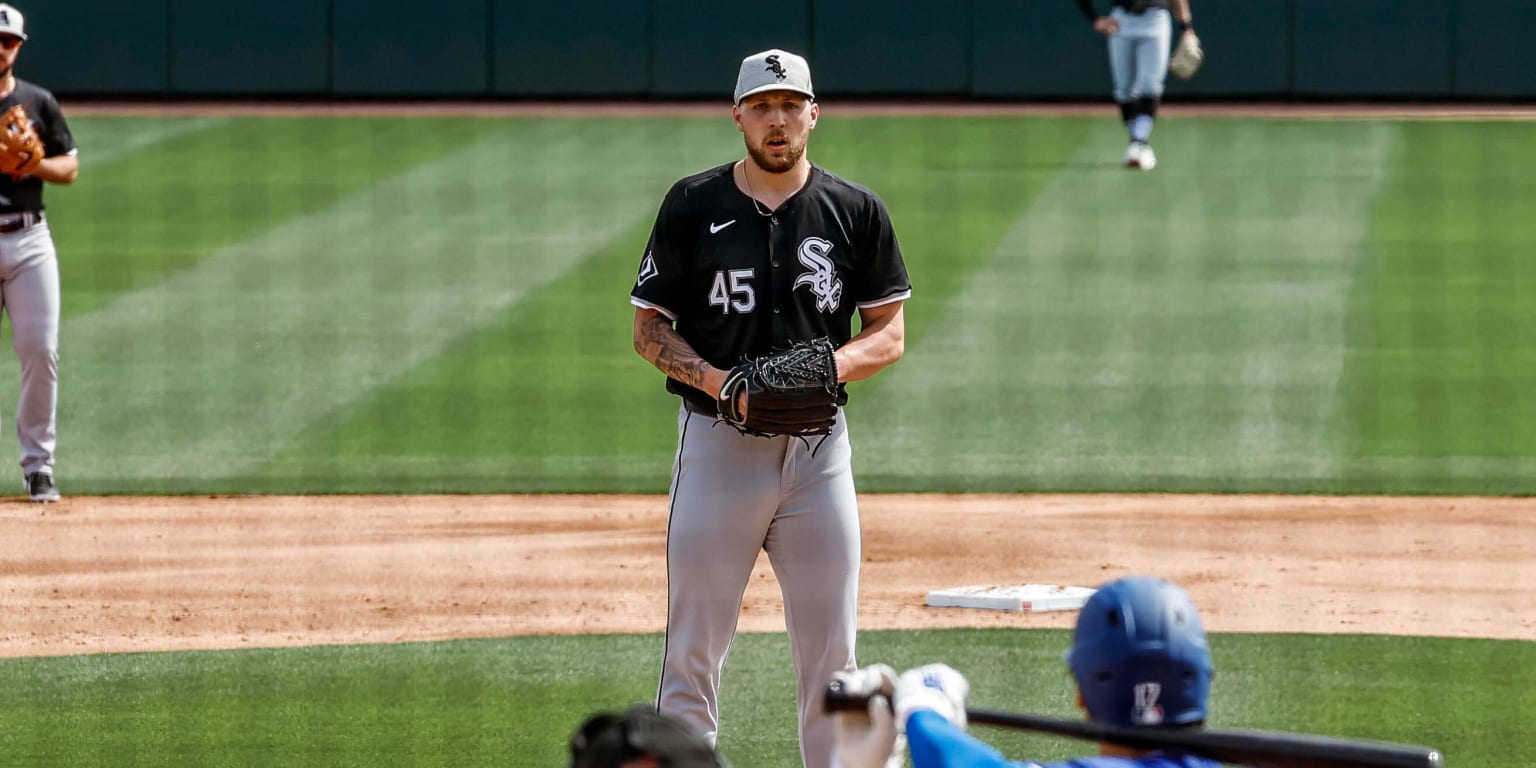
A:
(378, 305)
(513, 702)
(1445, 338)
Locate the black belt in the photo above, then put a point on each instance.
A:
(703, 410)
(16, 222)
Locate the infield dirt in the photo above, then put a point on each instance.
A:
(116, 574)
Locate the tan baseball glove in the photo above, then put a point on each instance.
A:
(1187, 56)
(21, 149)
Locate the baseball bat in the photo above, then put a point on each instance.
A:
(1260, 749)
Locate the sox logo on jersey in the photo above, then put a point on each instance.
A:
(821, 278)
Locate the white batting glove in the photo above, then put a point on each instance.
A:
(868, 739)
(937, 687)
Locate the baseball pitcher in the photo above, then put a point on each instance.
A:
(745, 300)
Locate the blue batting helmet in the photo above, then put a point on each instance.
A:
(1139, 655)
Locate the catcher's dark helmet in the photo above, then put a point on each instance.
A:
(1139, 655)
(611, 739)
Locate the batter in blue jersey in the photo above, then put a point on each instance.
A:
(1138, 655)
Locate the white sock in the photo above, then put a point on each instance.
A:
(1141, 127)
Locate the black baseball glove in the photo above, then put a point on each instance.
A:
(793, 392)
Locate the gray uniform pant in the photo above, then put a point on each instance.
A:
(29, 296)
(732, 497)
(1138, 53)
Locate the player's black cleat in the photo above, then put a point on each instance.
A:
(41, 488)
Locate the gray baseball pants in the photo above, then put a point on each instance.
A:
(29, 296)
(732, 497)
(1138, 54)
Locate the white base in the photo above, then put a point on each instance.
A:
(1032, 598)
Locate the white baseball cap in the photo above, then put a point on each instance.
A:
(10, 21)
(773, 70)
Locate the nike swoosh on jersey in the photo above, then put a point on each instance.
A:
(714, 228)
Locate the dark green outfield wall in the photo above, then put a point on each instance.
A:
(1004, 49)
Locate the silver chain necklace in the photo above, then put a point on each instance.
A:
(757, 205)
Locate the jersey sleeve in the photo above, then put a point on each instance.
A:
(882, 278)
(936, 743)
(664, 267)
(57, 140)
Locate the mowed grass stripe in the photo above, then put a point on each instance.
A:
(103, 140)
(211, 372)
(477, 702)
(167, 199)
(1175, 330)
(1446, 352)
(551, 397)
(953, 187)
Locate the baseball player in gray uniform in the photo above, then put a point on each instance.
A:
(29, 267)
(745, 259)
(1139, 33)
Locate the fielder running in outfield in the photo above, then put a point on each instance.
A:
(37, 147)
(747, 258)
(1138, 655)
(1139, 32)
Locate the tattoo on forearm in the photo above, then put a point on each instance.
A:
(669, 353)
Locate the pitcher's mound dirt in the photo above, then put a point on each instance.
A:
(93, 575)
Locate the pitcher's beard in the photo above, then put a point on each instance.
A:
(780, 164)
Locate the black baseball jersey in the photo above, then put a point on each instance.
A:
(739, 283)
(1132, 6)
(48, 120)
